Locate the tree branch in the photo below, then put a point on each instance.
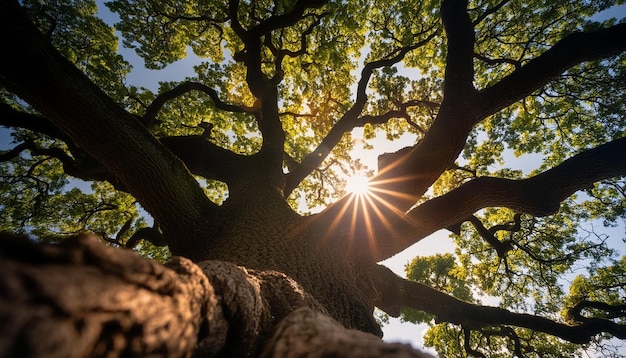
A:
(539, 195)
(14, 152)
(489, 234)
(252, 39)
(351, 118)
(345, 124)
(505, 332)
(11, 117)
(153, 235)
(185, 87)
(405, 176)
(574, 314)
(459, 73)
(571, 50)
(82, 167)
(489, 11)
(37, 73)
(204, 158)
(492, 61)
(467, 345)
(280, 54)
(307, 333)
(287, 19)
(396, 292)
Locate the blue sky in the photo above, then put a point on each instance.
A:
(436, 243)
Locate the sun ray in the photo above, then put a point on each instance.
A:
(366, 218)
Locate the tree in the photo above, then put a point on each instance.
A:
(224, 162)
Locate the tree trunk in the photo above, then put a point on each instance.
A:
(258, 279)
(83, 299)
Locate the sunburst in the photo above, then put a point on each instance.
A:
(358, 185)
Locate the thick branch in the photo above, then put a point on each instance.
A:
(574, 314)
(396, 292)
(573, 49)
(490, 11)
(79, 165)
(153, 235)
(199, 155)
(351, 118)
(540, 195)
(85, 167)
(14, 152)
(264, 89)
(37, 73)
(489, 234)
(204, 158)
(282, 53)
(83, 299)
(403, 178)
(306, 333)
(459, 60)
(287, 19)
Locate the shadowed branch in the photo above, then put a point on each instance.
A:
(41, 76)
(571, 50)
(396, 292)
(539, 195)
(183, 88)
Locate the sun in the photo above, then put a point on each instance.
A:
(358, 184)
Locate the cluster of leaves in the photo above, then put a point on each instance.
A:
(528, 276)
(320, 83)
(444, 273)
(603, 284)
(568, 115)
(37, 195)
(82, 37)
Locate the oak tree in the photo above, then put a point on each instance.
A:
(240, 173)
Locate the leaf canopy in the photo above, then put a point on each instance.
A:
(337, 66)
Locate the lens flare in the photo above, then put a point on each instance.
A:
(358, 185)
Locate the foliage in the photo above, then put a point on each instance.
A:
(319, 63)
(440, 272)
(75, 29)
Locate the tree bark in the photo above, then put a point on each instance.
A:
(84, 299)
(38, 74)
(397, 292)
(306, 333)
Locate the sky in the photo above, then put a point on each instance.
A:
(438, 242)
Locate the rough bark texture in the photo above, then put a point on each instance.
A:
(45, 78)
(306, 333)
(83, 299)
